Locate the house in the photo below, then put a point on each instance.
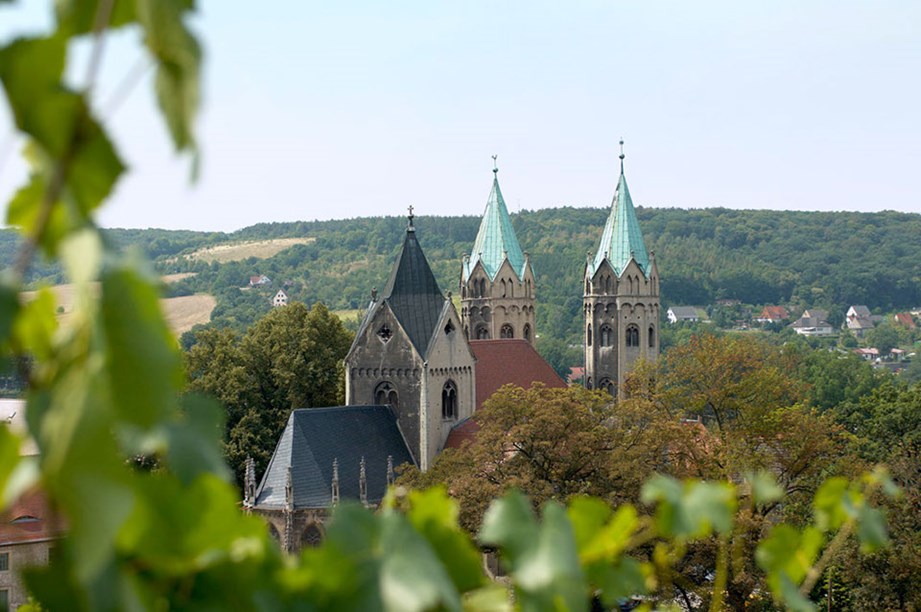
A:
(904, 319)
(258, 280)
(27, 533)
(576, 375)
(773, 314)
(867, 353)
(686, 313)
(813, 323)
(280, 299)
(859, 320)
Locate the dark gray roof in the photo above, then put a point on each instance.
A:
(315, 437)
(413, 293)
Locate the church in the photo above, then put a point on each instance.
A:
(418, 369)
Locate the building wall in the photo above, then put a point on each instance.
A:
(612, 306)
(22, 556)
(507, 300)
(374, 362)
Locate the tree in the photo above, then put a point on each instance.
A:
(291, 358)
(548, 443)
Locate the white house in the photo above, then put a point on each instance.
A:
(280, 299)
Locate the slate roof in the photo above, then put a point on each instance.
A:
(315, 437)
(685, 312)
(496, 240)
(511, 360)
(413, 292)
(622, 235)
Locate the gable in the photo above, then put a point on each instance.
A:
(509, 361)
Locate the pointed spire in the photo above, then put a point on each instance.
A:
(249, 483)
(622, 238)
(413, 292)
(496, 240)
(335, 483)
(363, 482)
(390, 477)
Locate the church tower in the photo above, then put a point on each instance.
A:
(497, 282)
(410, 354)
(621, 297)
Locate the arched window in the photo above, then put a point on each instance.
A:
(482, 287)
(507, 331)
(588, 335)
(633, 335)
(607, 385)
(526, 332)
(482, 333)
(588, 286)
(607, 335)
(511, 288)
(313, 537)
(386, 395)
(502, 282)
(652, 337)
(588, 382)
(449, 400)
(607, 284)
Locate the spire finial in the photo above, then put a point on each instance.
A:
(411, 217)
(495, 164)
(622, 155)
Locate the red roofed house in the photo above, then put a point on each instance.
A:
(905, 320)
(773, 314)
(27, 538)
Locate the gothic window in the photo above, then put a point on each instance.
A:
(507, 331)
(588, 335)
(526, 332)
(482, 287)
(607, 385)
(482, 333)
(313, 537)
(386, 395)
(588, 382)
(652, 337)
(511, 289)
(607, 335)
(449, 328)
(449, 400)
(384, 333)
(633, 335)
(588, 286)
(607, 284)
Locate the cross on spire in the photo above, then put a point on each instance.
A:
(411, 217)
(622, 155)
(495, 165)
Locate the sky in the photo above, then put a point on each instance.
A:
(331, 110)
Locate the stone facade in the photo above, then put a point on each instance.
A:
(500, 307)
(17, 558)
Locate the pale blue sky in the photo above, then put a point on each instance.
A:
(317, 110)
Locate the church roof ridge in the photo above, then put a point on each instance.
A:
(622, 238)
(496, 240)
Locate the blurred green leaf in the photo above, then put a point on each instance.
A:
(79, 16)
(871, 529)
(835, 502)
(178, 58)
(764, 488)
(9, 309)
(786, 556)
(620, 580)
(193, 440)
(511, 525)
(692, 509)
(145, 370)
(35, 327)
(435, 515)
(412, 579)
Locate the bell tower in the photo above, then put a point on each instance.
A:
(620, 298)
(497, 282)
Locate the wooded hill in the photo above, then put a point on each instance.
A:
(807, 259)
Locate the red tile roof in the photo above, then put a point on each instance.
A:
(27, 520)
(500, 362)
(904, 318)
(775, 313)
(576, 374)
(464, 431)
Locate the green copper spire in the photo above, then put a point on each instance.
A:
(496, 239)
(622, 237)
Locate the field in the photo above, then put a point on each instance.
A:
(260, 249)
(181, 313)
(349, 315)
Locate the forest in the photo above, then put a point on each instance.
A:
(826, 260)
